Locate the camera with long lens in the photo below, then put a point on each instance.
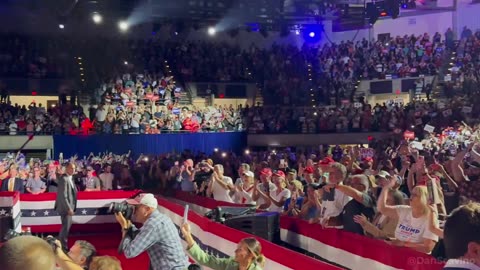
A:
(124, 208)
(127, 211)
(12, 234)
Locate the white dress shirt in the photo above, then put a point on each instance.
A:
(70, 180)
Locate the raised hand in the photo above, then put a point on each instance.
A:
(360, 219)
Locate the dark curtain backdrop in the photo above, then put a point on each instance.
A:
(148, 144)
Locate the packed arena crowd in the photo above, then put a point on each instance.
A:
(464, 67)
(364, 190)
(147, 103)
(150, 118)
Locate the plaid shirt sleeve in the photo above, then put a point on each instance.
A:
(146, 238)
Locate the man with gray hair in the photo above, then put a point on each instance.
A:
(333, 200)
(80, 254)
(242, 169)
(361, 203)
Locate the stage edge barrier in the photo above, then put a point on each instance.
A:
(343, 248)
(36, 211)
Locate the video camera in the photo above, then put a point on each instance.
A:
(124, 208)
(12, 234)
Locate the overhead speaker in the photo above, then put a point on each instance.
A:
(393, 8)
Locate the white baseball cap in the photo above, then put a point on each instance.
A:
(146, 199)
(383, 174)
(249, 174)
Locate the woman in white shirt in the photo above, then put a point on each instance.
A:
(220, 185)
(412, 229)
(244, 189)
(280, 194)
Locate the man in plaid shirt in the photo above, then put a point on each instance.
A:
(158, 236)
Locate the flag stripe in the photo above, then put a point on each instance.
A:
(92, 219)
(50, 212)
(82, 195)
(16, 209)
(339, 256)
(78, 227)
(49, 204)
(17, 225)
(7, 198)
(5, 202)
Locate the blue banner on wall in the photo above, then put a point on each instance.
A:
(148, 144)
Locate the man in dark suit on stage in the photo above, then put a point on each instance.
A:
(66, 202)
(462, 238)
(12, 183)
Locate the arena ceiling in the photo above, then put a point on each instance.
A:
(199, 11)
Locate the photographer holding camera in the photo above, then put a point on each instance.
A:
(158, 235)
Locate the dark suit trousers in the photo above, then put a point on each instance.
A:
(66, 224)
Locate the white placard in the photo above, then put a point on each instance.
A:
(417, 145)
(467, 109)
(429, 128)
(185, 214)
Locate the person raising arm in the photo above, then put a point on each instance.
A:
(248, 254)
(412, 229)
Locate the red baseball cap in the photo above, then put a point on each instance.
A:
(308, 170)
(266, 171)
(327, 161)
(279, 173)
(368, 159)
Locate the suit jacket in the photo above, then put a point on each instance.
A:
(17, 186)
(66, 195)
